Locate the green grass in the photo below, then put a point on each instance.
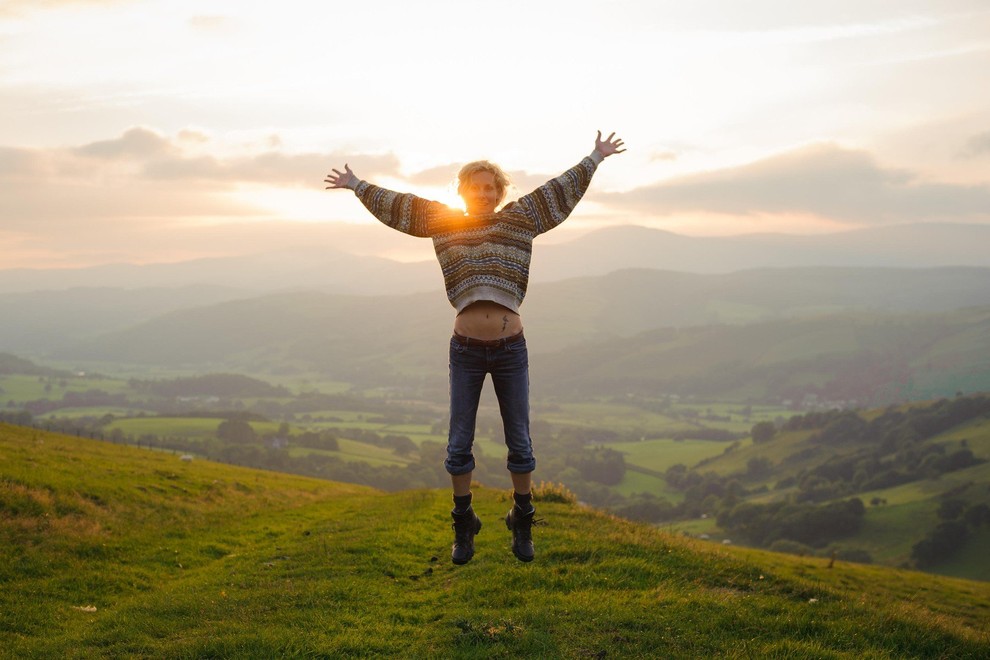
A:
(976, 434)
(971, 561)
(658, 455)
(636, 482)
(889, 531)
(112, 551)
(932, 489)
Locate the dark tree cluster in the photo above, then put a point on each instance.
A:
(887, 451)
(958, 520)
(812, 525)
(219, 385)
(604, 466)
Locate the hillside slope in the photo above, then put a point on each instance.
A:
(863, 358)
(109, 551)
(917, 469)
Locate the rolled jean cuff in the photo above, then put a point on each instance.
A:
(522, 467)
(455, 469)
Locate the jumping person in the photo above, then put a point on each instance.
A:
(484, 255)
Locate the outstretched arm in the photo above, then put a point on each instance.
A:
(401, 211)
(551, 203)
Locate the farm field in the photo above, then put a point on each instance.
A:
(16, 387)
(634, 482)
(660, 454)
(354, 451)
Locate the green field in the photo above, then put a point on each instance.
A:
(636, 482)
(92, 411)
(351, 450)
(20, 388)
(658, 455)
(111, 551)
(975, 434)
(612, 417)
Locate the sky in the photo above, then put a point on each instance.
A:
(146, 131)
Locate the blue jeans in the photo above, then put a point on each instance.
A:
(509, 366)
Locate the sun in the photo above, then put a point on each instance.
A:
(450, 197)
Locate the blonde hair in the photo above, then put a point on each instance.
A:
(501, 178)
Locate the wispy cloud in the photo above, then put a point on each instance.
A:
(139, 143)
(149, 178)
(156, 157)
(826, 180)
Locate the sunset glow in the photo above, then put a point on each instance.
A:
(128, 118)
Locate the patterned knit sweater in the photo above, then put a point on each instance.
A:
(483, 257)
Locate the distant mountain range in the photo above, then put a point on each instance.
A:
(596, 253)
(567, 312)
(841, 333)
(608, 294)
(901, 246)
(842, 359)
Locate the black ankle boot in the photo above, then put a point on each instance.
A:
(521, 524)
(465, 525)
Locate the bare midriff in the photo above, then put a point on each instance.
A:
(487, 320)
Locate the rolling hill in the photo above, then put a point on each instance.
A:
(111, 551)
(853, 358)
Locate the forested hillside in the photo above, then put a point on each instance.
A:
(907, 485)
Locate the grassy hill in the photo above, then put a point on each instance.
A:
(107, 551)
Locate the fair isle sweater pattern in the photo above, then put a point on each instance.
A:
(483, 257)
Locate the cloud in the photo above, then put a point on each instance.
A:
(135, 143)
(978, 145)
(153, 157)
(825, 180)
(16, 164)
(270, 168)
(145, 178)
(441, 175)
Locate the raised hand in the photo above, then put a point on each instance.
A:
(608, 146)
(338, 179)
